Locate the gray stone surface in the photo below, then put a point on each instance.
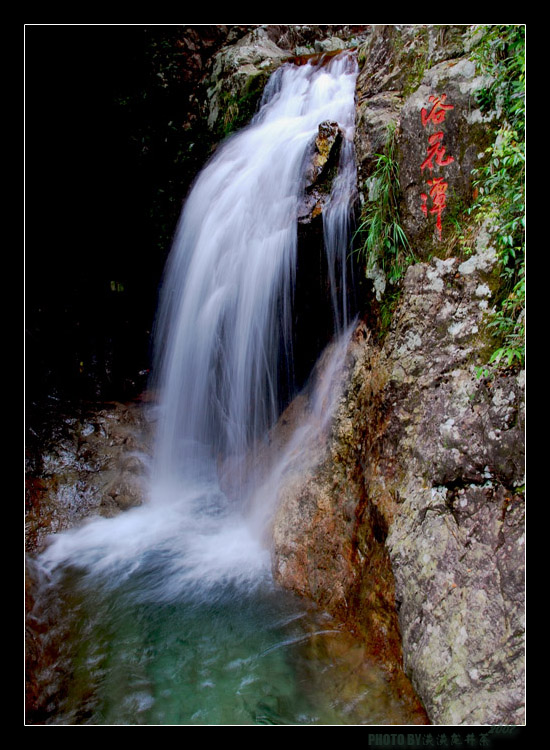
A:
(441, 453)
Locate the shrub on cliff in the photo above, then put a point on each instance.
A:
(500, 183)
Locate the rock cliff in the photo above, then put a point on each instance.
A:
(409, 525)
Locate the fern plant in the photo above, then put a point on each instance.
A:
(382, 239)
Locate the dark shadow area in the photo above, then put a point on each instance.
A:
(113, 141)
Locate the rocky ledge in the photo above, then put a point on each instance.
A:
(85, 462)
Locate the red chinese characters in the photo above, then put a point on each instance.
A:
(437, 112)
(438, 189)
(435, 152)
(435, 157)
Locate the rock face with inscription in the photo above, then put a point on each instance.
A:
(422, 80)
(443, 136)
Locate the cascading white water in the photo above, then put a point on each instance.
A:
(226, 314)
(224, 323)
(336, 231)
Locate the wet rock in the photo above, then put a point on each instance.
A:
(333, 44)
(239, 73)
(320, 171)
(325, 153)
(94, 462)
(324, 547)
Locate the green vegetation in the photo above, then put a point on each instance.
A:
(500, 183)
(380, 240)
(238, 110)
(383, 241)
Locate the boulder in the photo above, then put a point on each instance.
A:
(238, 74)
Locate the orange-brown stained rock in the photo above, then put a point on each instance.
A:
(329, 543)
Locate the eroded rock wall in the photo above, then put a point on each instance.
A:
(410, 527)
(447, 475)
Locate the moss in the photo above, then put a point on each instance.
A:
(238, 109)
(414, 64)
(410, 53)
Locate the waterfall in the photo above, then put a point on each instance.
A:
(168, 613)
(226, 313)
(223, 333)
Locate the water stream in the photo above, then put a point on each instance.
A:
(167, 614)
